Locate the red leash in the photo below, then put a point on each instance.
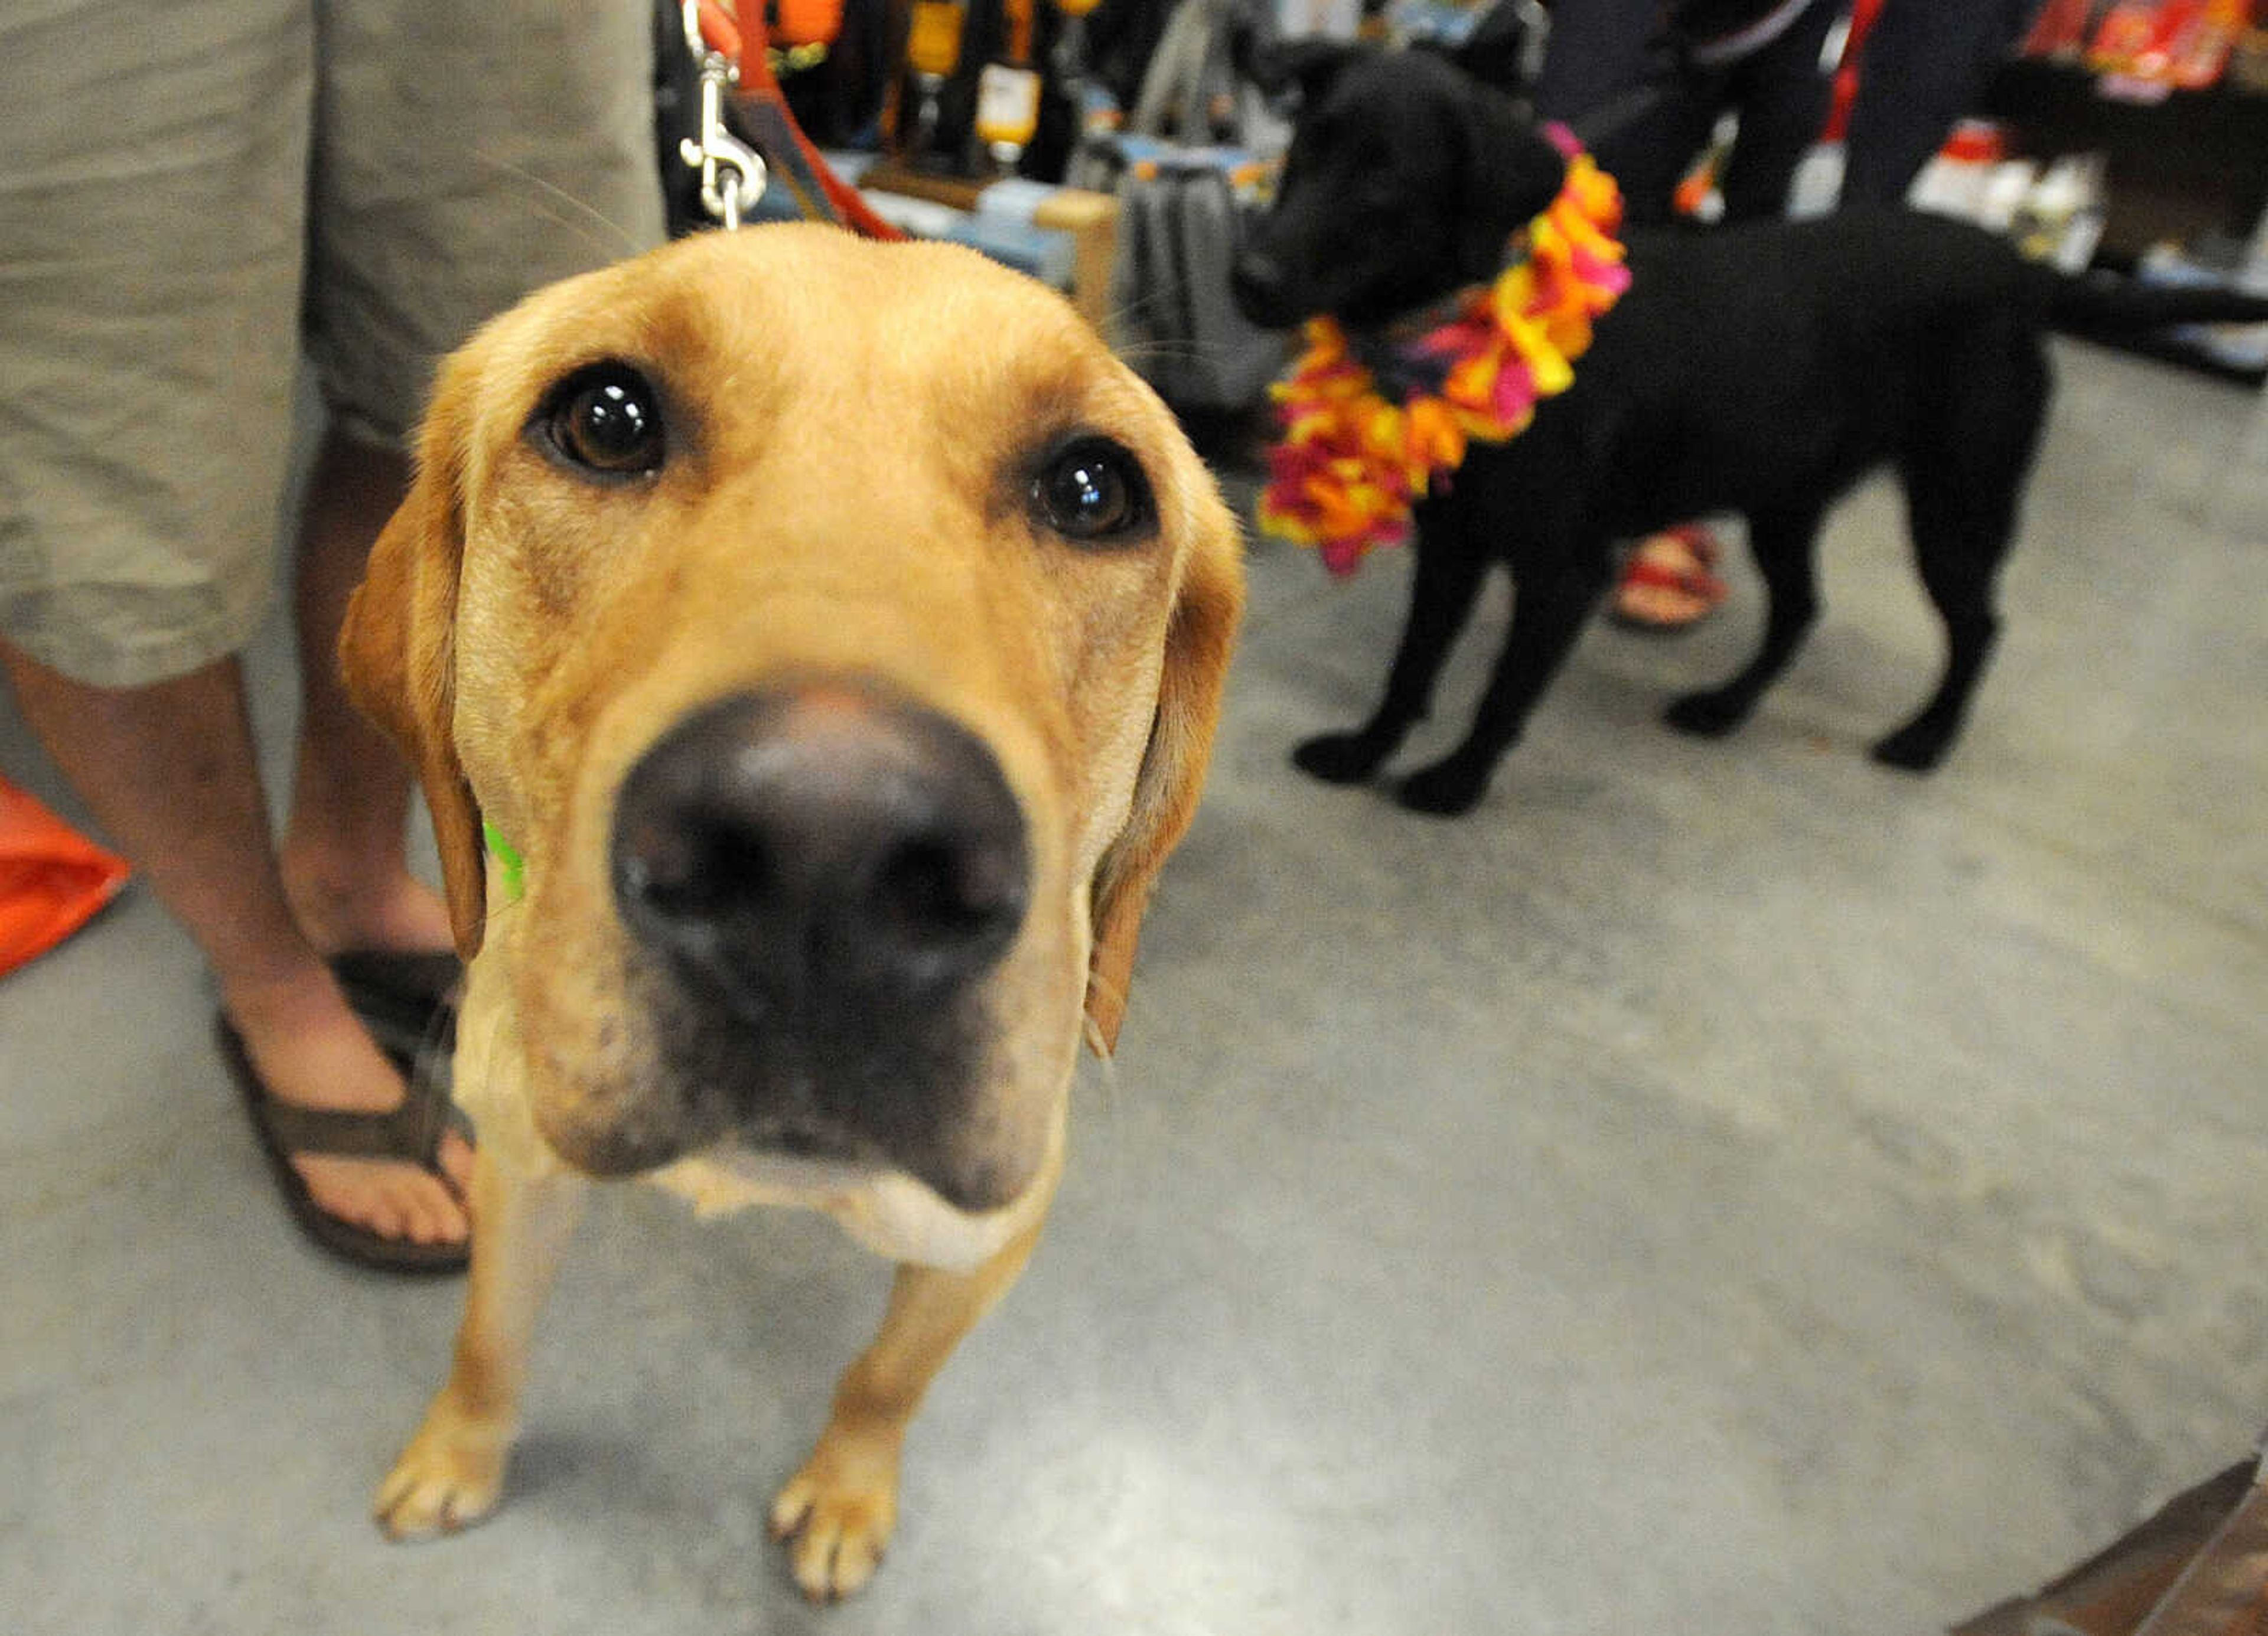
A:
(763, 110)
(1847, 70)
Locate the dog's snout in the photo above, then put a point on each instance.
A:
(820, 845)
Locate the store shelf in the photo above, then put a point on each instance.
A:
(2190, 163)
(2214, 138)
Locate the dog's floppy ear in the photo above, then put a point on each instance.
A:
(1276, 66)
(398, 649)
(1499, 51)
(1511, 172)
(1198, 642)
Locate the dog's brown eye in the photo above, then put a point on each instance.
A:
(606, 419)
(1092, 490)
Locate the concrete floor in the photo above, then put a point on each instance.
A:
(1715, 1188)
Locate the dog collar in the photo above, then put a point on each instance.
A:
(1370, 426)
(507, 855)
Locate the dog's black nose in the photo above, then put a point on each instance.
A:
(820, 845)
(1257, 282)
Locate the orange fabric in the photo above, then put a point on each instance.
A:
(53, 879)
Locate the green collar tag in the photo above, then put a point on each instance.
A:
(515, 867)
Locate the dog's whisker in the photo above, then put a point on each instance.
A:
(1183, 351)
(623, 241)
(1142, 306)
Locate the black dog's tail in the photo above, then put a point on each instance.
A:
(2103, 301)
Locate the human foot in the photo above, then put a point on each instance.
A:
(305, 1049)
(340, 908)
(389, 947)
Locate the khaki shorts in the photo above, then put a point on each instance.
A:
(191, 194)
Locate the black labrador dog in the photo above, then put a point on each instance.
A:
(1761, 370)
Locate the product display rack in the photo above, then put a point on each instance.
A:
(2185, 162)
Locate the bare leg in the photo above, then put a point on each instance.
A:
(838, 1511)
(345, 860)
(170, 773)
(453, 1470)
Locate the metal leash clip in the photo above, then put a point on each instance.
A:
(732, 173)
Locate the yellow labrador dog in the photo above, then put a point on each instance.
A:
(810, 650)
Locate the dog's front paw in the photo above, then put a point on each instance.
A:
(1448, 789)
(448, 1479)
(1710, 715)
(1340, 757)
(836, 1515)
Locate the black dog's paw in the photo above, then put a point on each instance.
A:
(1447, 790)
(1338, 757)
(1916, 748)
(1706, 715)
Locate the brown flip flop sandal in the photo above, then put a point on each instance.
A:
(411, 1133)
(408, 1001)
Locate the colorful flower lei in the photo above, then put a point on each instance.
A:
(1350, 464)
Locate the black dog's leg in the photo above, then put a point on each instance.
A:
(1964, 486)
(1547, 615)
(1442, 591)
(1922, 743)
(1781, 543)
(1959, 541)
